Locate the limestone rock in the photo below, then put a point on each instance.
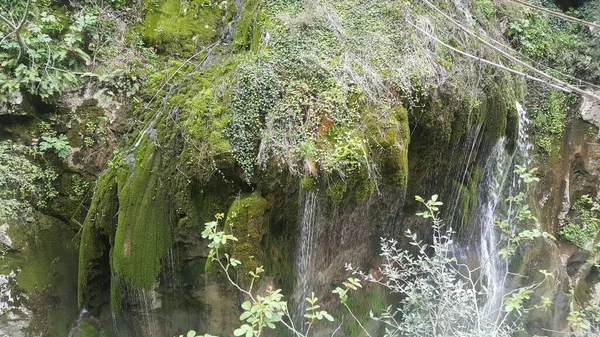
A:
(590, 110)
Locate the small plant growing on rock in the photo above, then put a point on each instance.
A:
(60, 145)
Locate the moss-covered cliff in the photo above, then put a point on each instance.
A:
(245, 107)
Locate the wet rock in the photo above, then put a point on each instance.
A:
(590, 110)
(4, 238)
(17, 105)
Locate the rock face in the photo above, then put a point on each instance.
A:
(575, 174)
(257, 105)
(590, 110)
(18, 105)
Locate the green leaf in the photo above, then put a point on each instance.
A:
(245, 315)
(246, 305)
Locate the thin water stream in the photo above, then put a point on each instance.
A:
(304, 257)
(498, 183)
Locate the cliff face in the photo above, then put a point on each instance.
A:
(311, 125)
(290, 100)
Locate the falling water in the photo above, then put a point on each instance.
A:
(76, 327)
(147, 303)
(489, 195)
(304, 257)
(497, 184)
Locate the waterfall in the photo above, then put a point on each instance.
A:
(490, 192)
(75, 330)
(498, 183)
(304, 256)
(147, 303)
(139, 317)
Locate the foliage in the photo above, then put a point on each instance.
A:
(192, 333)
(42, 49)
(535, 35)
(585, 321)
(24, 184)
(441, 296)
(257, 90)
(584, 224)
(178, 27)
(549, 120)
(259, 312)
(524, 217)
(59, 144)
(566, 46)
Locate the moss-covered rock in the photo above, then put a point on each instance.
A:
(467, 199)
(44, 257)
(391, 148)
(248, 27)
(143, 232)
(178, 28)
(247, 222)
(97, 238)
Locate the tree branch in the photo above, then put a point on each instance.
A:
(20, 40)
(17, 30)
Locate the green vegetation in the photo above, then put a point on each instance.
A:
(246, 221)
(435, 293)
(257, 89)
(584, 223)
(467, 199)
(85, 329)
(100, 222)
(179, 28)
(25, 185)
(549, 120)
(143, 232)
(43, 49)
(59, 144)
(361, 304)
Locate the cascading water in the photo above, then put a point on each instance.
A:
(304, 257)
(497, 184)
(76, 327)
(490, 191)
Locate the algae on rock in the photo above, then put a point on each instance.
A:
(247, 221)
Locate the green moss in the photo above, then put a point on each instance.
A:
(467, 198)
(392, 148)
(495, 115)
(100, 222)
(362, 187)
(40, 257)
(85, 329)
(246, 218)
(143, 233)
(248, 27)
(356, 187)
(206, 121)
(44, 255)
(512, 128)
(176, 27)
(548, 121)
(361, 303)
(308, 183)
(337, 190)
